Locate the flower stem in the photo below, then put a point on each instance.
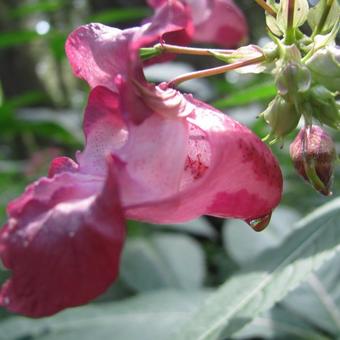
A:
(215, 70)
(290, 23)
(266, 7)
(189, 50)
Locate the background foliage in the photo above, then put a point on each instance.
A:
(207, 279)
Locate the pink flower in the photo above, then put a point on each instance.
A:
(152, 154)
(218, 22)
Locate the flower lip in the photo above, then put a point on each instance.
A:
(164, 100)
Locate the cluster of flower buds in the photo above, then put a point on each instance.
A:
(307, 77)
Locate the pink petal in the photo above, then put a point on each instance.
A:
(142, 173)
(218, 22)
(228, 172)
(62, 243)
(225, 25)
(104, 129)
(98, 53)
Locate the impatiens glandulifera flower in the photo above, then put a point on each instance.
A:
(218, 22)
(152, 154)
(313, 155)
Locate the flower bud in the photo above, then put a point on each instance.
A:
(313, 155)
(293, 78)
(324, 107)
(325, 67)
(281, 116)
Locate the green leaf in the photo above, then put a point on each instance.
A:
(318, 299)
(199, 227)
(10, 39)
(163, 261)
(301, 10)
(268, 280)
(120, 15)
(145, 317)
(279, 323)
(246, 96)
(39, 7)
(326, 12)
(243, 244)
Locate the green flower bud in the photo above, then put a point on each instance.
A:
(281, 116)
(325, 67)
(293, 78)
(313, 155)
(324, 106)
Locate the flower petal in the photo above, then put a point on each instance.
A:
(218, 22)
(104, 129)
(98, 53)
(139, 150)
(62, 243)
(228, 172)
(225, 25)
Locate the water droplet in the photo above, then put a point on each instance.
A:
(6, 300)
(260, 223)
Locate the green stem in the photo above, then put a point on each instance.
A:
(215, 70)
(190, 50)
(289, 39)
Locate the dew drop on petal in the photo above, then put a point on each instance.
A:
(260, 223)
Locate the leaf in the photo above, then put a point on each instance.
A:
(316, 14)
(246, 96)
(39, 7)
(199, 227)
(318, 299)
(10, 39)
(120, 15)
(301, 10)
(243, 244)
(278, 323)
(145, 317)
(163, 261)
(268, 280)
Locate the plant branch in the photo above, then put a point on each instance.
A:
(190, 50)
(214, 70)
(266, 7)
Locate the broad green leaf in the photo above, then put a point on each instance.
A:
(38, 7)
(318, 299)
(120, 15)
(326, 10)
(10, 39)
(245, 96)
(199, 227)
(268, 280)
(279, 323)
(162, 261)
(145, 317)
(243, 244)
(301, 10)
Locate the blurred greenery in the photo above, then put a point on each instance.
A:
(41, 107)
